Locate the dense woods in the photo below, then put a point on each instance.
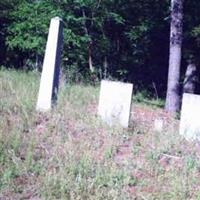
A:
(127, 40)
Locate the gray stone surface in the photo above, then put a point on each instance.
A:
(115, 102)
(51, 66)
(190, 117)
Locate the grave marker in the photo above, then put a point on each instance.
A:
(158, 125)
(115, 102)
(51, 66)
(190, 117)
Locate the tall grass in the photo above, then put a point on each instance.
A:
(69, 153)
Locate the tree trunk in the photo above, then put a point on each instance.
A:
(105, 65)
(90, 58)
(173, 97)
(89, 46)
(190, 79)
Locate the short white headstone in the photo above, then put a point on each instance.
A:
(115, 102)
(158, 125)
(51, 66)
(190, 117)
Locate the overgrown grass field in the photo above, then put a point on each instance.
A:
(69, 153)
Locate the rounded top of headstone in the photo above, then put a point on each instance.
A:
(57, 18)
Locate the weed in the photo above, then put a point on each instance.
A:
(109, 152)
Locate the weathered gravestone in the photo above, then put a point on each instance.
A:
(115, 102)
(158, 125)
(190, 117)
(51, 66)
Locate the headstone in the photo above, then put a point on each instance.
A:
(51, 66)
(158, 125)
(115, 102)
(190, 117)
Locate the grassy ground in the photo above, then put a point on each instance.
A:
(70, 154)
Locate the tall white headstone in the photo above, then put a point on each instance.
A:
(190, 117)
(115, 102)
(51, 66)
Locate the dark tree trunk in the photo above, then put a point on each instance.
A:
(89, 46)
(190, 79)
(173, 97)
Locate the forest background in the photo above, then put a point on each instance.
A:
(126, 40)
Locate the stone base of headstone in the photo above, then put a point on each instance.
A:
(190, 117)
(115, 102)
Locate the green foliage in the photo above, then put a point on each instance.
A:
(29, 27)
(132, 35)
(120, 31)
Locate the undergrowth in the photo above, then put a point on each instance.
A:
(69, 153)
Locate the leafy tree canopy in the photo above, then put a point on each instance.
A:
(127, 39)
